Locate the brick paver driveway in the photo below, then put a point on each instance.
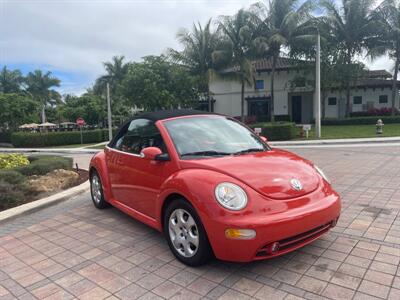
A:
(73, 250)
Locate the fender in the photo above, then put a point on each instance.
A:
(98, 162)
(198, 187)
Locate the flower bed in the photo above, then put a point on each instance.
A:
(25, 179)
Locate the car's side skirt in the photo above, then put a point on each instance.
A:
(136, 214)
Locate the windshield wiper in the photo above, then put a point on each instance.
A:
(249, 150)
(205, 153)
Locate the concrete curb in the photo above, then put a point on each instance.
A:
(30, 207)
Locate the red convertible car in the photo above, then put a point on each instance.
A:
(214, 187)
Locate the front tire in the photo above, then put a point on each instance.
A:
(185, 234)
(96, 190)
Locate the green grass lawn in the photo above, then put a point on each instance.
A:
(354, 131)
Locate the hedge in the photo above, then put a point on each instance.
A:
(27, 139)
(362, 120)
(277, 131)
(5, 137)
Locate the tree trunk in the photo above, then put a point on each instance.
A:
(348, 84)
(272, 110)
(394, 85)
(242, 102)
(44, 113)
(323, 103)
(209, 98)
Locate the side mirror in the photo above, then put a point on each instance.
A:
(263, 138)
(150, 153)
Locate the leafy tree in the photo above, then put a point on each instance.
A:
(157, 84)
(199, 45)
(238, 49)
(332, 62)
(39, 86)
(10, 81)
(281, 24)
(351, 27)
(16, 109)
(387, 41)
(90, 107)
(116, 70)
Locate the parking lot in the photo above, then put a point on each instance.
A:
(73, 250)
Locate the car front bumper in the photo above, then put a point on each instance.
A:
(290, 223)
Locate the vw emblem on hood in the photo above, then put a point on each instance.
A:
(296, 184)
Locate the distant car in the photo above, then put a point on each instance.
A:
(213, 186)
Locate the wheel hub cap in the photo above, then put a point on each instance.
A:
(96, 190)
(183, 232)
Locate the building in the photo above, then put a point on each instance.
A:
(294, 93)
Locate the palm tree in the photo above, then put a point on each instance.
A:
(352, 27)
(10, 81)
(281, 23)
(387, 17)
(39, 85)
(198, 47)
(116, 70)
(237, 49)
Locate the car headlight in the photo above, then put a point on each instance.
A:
(320, 172)
(231, 196)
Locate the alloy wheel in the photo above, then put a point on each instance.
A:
(96, 189)
(183, 232)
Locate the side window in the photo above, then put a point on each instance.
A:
(140, 133)
(357, 100)
(259, 84)
(383, 99)
(332, 101)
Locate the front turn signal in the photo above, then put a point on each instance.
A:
(240, 234)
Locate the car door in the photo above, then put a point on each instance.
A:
(138, 181)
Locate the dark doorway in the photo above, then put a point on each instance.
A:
(259, 107)
(296, 109)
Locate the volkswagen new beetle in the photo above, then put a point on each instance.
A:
(213, 186)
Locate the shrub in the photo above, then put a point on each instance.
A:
(46, 164)
(10, 196)
(362, 120)
(383, 111)
(10, 161)
(27, 139)
(277, 131)
(12, 177)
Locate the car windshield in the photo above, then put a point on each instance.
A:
(212, 136)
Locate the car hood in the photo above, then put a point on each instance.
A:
(269, 173)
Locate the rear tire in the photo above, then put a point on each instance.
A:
(96, 190)
(185, 234)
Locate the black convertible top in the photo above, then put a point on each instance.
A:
(166, 114)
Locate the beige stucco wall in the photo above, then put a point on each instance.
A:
(227, 92)
(227, 95)
(368, 95)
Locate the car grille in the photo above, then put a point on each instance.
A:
(294, 242)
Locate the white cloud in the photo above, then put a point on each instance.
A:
(78, 35)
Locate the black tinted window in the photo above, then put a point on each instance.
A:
(141, 133)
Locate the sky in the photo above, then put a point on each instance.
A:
(71, 38)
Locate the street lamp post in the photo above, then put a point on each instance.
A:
(318, 89)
